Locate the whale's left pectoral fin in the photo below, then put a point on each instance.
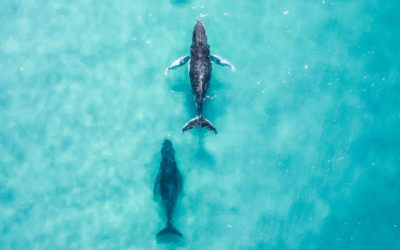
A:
(177, 63)
(223, 62)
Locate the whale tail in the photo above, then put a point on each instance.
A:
(199, 121)
(169, 230)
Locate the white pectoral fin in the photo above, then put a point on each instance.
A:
(223, 62)
(177, 63)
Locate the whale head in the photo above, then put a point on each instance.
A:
(199, 34)
(167, 149)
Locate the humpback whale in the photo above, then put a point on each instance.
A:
(168, 186)
(200, 73)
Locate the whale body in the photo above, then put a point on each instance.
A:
(200, 69)
(168, 186)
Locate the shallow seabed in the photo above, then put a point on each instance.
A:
(307, 151)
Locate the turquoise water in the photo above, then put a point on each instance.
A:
(307, 151)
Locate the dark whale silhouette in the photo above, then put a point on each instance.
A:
(168, 186)
(200, 73)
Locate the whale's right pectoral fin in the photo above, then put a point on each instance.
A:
(223, 62)
(177, 63)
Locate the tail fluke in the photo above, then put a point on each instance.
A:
(169, 230)
(199, 121)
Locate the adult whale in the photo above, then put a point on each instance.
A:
(200, 73)
(168, 186)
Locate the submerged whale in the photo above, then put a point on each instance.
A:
(200, 73)
(168, 186)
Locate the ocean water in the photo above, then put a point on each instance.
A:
(307, 151)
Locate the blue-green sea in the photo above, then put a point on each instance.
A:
(307, 154)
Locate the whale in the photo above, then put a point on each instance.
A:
(167, 188)
(200, 69)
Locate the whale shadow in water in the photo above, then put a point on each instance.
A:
(167, 190)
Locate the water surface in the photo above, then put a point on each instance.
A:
(307, 151)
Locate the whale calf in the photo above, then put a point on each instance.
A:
(200, 73)
(168, 186)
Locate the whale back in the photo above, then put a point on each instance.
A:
(200, 63)
(200, 47)
(170, 179)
